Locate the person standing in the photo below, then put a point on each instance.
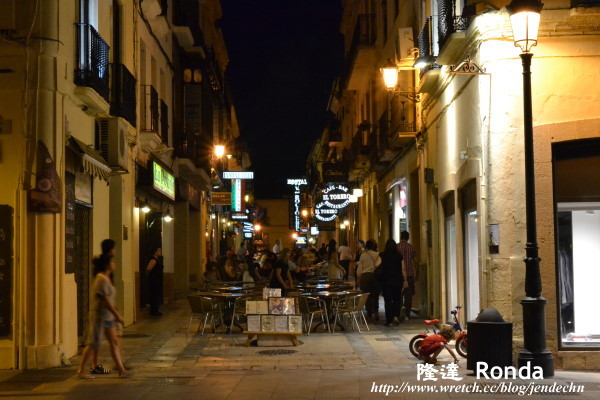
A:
(391, 281)
(334, 270)
(103, 318)
(277, 247)
(409, 255)
(368, 283)
(360, 247)
(280, 276)
(154, 272)
(345, 257)
(242, 251)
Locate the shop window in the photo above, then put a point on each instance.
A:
(577, 194)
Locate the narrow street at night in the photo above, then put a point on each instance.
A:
(324, 199)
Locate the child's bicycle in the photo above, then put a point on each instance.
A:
(461, 339)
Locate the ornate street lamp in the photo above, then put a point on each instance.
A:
(390, 74)
(219, 150)
(525, 22)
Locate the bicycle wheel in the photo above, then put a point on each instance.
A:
(414, 344)
(461, 346)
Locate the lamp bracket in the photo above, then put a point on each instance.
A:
(467, 67)
(409, 93)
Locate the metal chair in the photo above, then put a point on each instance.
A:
(204, 307)
(309, 307)
(351, 306)
(239, 308)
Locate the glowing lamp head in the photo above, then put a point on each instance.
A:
(294, 236)
(342, 226)
(525, 22)
(357, 192)
(257, 227)
(168, 217)
(145, 209)
(346, 222)
(390, 74)
(353, 198)
(304, 213)
(219, 150)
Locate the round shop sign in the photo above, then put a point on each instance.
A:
(336, 196)
(325, 213)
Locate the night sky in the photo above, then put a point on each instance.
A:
(284, 56)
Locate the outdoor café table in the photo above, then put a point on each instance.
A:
(228, 300)
(227, 288)
(329, 297)
(312, 287)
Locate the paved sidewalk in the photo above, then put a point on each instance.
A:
(171, 364)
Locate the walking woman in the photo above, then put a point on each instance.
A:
(368, 283)
(334, 270)
(281, 276)
(391, 281)
(154, 272)
(103, 318)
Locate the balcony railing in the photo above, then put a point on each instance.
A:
(365, 34)
(402, 116)
(164, 121)
(92, 56)
(149, 109)
(123, 99)
(425, 40)
(585, 3)
(448, 21)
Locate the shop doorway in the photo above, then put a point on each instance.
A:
(450, 254)
(471, 249)
(82, 258)
(150, 238)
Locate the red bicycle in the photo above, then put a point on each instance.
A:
(460, 340)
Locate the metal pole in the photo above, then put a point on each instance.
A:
(534, 316)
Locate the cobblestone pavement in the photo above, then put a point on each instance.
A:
(172, 364)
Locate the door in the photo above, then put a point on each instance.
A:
(472, 306)
(451, 272)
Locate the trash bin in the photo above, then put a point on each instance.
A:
(489, 340)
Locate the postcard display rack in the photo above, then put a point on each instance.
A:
(274, 321)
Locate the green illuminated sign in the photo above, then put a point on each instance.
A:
(163, 181)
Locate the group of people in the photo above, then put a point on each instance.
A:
(391, 273)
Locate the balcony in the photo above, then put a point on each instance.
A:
(92, 54)
(186, 24)
(123, 99)
(360, 149)
(362, 55)
(164, 121)
(451, 31)
(403, 122)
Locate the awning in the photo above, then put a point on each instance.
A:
(93, 163)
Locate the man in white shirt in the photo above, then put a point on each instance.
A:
(277, 247)
(345, 257)
(242, 252)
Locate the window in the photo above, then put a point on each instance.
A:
(577, 194)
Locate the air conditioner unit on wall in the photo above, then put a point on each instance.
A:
(405, 43)
(112, 142)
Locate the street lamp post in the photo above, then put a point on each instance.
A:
(525, 19)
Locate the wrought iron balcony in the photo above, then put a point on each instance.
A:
(164, 121)
(149, 109)
(363, 40)
(123, 94)
(448, 21)
(585, 3)
(92, 55)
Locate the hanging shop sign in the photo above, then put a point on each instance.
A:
(163, 181)
(314, 231)
(301, 241)
(335, 172)
(295, 202)
(220, 198)
(236, 195)
(324, 213)
(336, 196)
(247, 227)
(239, 216)
(238, 175)
(6, 259)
